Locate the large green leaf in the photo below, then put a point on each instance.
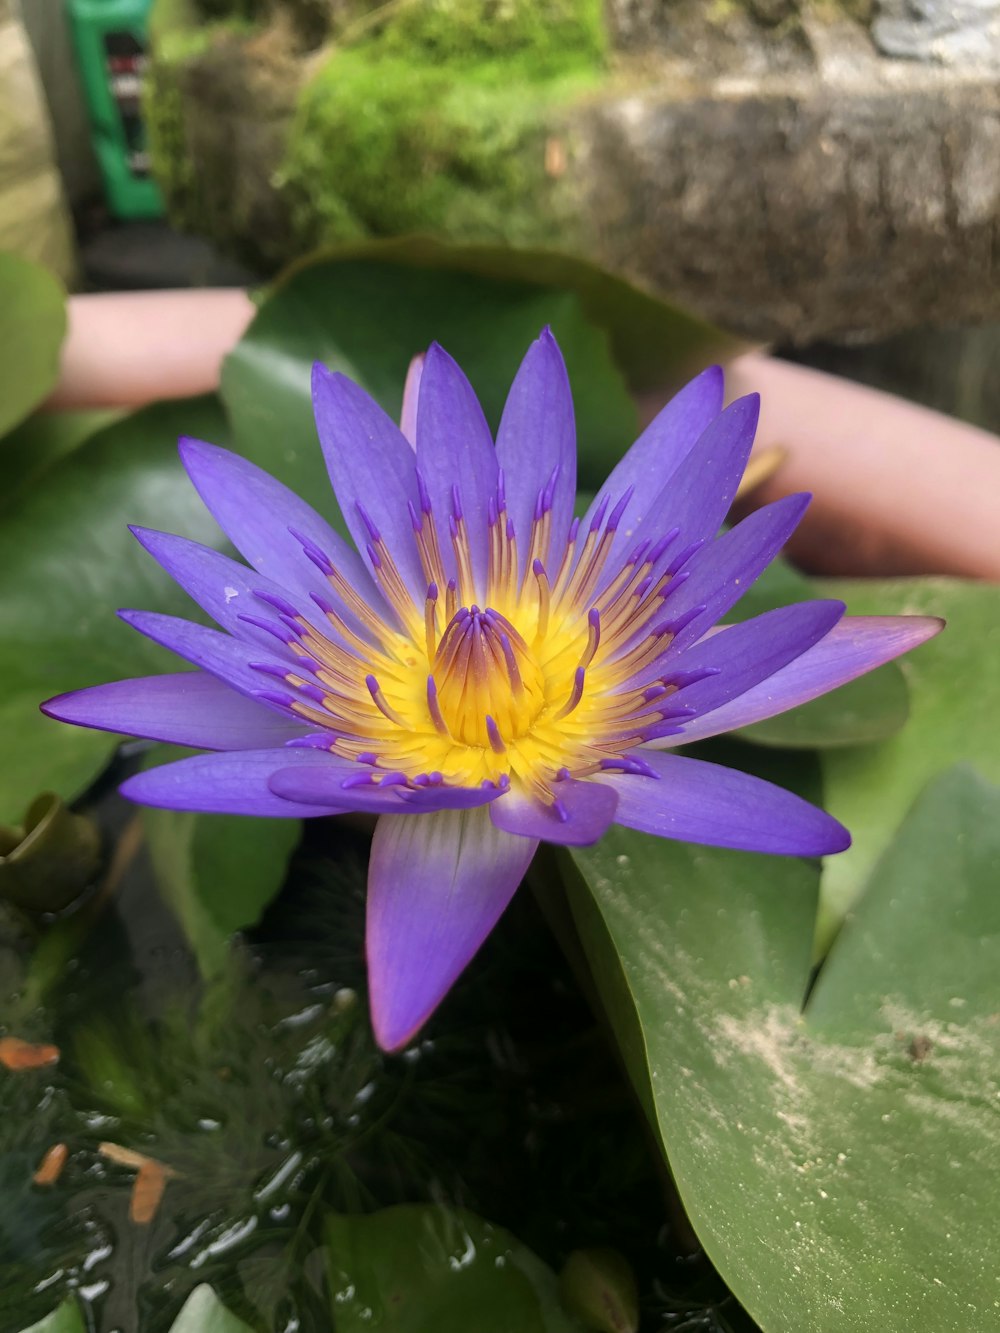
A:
(34, 445)
(67, 561)
(203, 1312)
(218, 872)
(836, 1165)
(954, 689)
(418, 1267)
(67, 1319)
(368, 318)
(32, 325)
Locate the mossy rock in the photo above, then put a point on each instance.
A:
(440, 116)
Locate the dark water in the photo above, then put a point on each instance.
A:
(265, 1096)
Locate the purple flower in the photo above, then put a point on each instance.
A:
(488, 672)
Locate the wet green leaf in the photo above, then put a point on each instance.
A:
(203, 1312)
(32, 325)
(835, 1164)
(367, 310)
(418, 1267)
(50, 859)
(67, 1319)
(218, 872)
(33, 446)
(67, 561)
(954, 689)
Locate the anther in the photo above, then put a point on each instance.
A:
(496, 740)
(366, 519)
(434, 708)
(575, 695)
(381, 703)
(619, 509)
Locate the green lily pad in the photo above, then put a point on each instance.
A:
(868, 709)
(418, 1267)
(32, 325)
(218, 872)
(68, 562)
(835, 1163)
(368, 318)
(33, 446)
(67, 1319)
(203, 1312)
(954, 689)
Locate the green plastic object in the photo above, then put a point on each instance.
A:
(110, 40)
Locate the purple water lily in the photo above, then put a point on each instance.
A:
(488, 672)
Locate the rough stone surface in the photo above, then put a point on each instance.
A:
(774, 173)
(850, 201)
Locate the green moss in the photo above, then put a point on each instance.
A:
(385, 144)
(544, 36)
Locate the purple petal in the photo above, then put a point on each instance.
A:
(371, 465)
(210, 649)
(225, 784)
(700, 492)
(583, 814)
(656, 456)
(455, 448)
(722, 572)
(186, 708)
(437, 885)
(855, 646)
(259, 515)
(224, 588)
(721, 807)
(322, 786)
(411, 395)
(537, 439)
(741, 656)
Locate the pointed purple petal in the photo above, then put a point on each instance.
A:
(437, 885)
(583, 814)
(741, 656)
(186, 708)
(225, 784)
(721, 807)
(371, 465)
(656, 455)
(700, 492)
(327, 786)
(259, 516)
(224, 588)
(455, 448)
(857, 645)
(537, 438)
(722, 572)
(210, 649)
(411, 395)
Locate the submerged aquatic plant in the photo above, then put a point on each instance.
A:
(485, 671)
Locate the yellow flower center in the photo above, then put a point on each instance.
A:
(536, 686)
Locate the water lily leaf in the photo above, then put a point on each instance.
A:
(67, 1319)
(218, 872)
(203, 1312)
(366, 310)
(834, 1163)
(38, 442)
(954, 690)
(32, 325)
(68, 561)
(416, 1267)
